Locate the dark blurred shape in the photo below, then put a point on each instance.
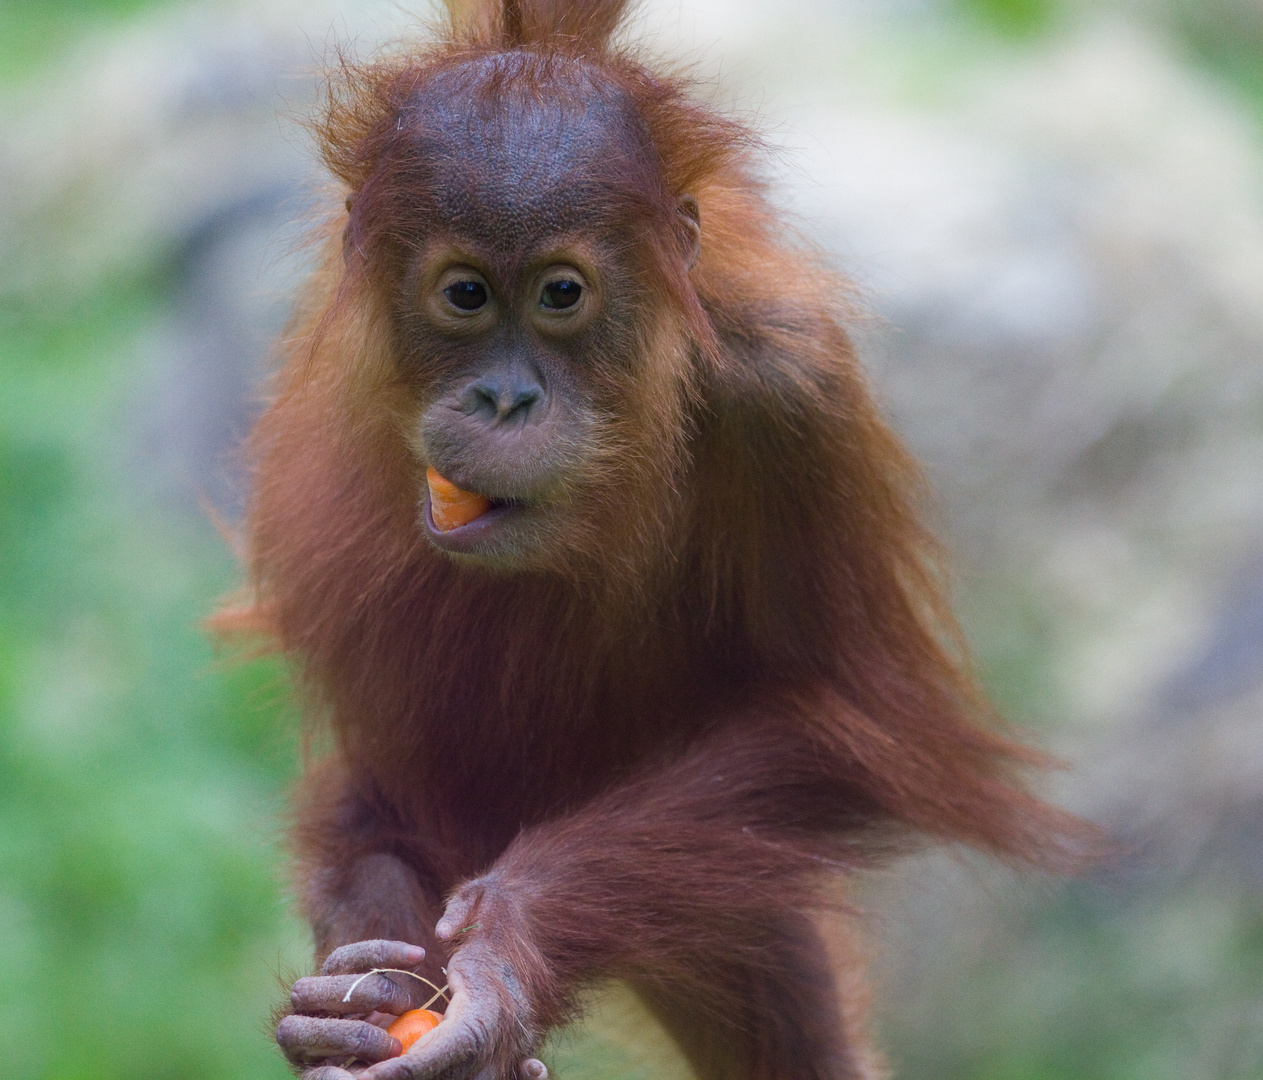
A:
(232, 278)
(1231, 663)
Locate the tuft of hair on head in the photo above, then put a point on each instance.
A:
(578, 25)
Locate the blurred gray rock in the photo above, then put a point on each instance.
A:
(1068, 259)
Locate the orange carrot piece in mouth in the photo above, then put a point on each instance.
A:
(450, 506)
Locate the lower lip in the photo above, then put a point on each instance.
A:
(468, 536)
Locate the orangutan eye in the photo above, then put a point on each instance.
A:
(560, 294)
(467, 295)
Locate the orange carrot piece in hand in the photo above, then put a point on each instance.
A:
(450, 506)
(412, 1025)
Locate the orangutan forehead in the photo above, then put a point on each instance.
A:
(503, 163)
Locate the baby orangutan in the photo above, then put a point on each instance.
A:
(579, 525)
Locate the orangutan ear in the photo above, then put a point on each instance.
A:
(690, 216)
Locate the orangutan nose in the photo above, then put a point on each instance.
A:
(508, 395)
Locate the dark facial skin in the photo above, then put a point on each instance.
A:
(515, 313)
(509, 414)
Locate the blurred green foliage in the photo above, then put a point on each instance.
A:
(140, 908)
(1094, 985)
(141, 915)
(1228, 39)
(33, 32)
(1018, 18)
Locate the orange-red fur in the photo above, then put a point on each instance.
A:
(736, 676)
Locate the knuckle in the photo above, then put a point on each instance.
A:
(331, 963)
(341, 957)
(377, 992)
(478, 1036)
(367, 1041)
(396, 996)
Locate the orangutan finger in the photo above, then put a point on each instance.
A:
(357, 994)
(310, 1038)
(361, 956)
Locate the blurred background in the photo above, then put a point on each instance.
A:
(1054, 211)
